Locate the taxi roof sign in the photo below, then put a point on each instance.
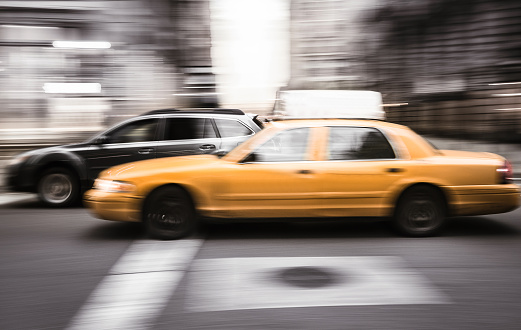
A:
(330, 104)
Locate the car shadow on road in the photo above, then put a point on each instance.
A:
(306, 229)
(463, 226)
(108, 230)
(479, 226)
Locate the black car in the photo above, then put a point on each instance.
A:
(61, 174)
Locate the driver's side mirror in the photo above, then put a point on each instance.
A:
(102, 140)
(220, 153)
(250, 158)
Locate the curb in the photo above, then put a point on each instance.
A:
(9, 197)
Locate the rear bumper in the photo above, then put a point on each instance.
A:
(481, 200)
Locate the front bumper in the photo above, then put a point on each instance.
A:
(113, 206)
(19, 178)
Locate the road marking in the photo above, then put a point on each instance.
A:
(138, 286)
(255, 283)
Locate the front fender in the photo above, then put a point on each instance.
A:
(68, 158)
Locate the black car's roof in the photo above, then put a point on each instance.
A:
(202, 110)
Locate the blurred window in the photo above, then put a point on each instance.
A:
(232, 128)
(189, 128)
(352, 143)
(136, 131)
(287, 146)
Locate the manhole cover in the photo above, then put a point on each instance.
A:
(308, 277)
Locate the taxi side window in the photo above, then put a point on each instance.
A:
(136, 131)
(186, 128)
(287, 146)
(358, 143)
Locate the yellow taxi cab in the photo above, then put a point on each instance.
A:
(302, 168)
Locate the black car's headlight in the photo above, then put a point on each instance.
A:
(113, 186)
(19, 159)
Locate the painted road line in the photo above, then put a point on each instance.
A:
(15, 197)
(256, 283)
(138, 286)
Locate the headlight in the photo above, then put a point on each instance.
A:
(19, 159)
(113, 186)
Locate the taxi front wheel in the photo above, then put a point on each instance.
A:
(420, 212)
(169, 214)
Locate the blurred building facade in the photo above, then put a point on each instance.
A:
(456, 64)
(444, 67)
(158, 55)
(329, 43)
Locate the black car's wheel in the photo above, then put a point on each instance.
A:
(169, 214)
(58, 187)
(420, 212)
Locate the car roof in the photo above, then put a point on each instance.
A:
(194, 111)
(306, 122)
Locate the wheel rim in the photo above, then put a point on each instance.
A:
(422, 215)
(56, 188)
(168, 213)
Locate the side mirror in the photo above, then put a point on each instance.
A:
(102, 140)
(220, 153)
(250, 158)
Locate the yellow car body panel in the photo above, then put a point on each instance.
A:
(315, 186)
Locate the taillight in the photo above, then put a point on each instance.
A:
(505, 172)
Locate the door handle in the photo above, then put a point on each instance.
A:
(145, 151)
(305, 172)
(207, 147)
(394, 170)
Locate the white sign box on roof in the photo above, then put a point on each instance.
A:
(330, 104)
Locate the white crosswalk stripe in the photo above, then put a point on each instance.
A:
(138, 286)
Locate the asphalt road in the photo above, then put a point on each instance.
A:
(64, 269)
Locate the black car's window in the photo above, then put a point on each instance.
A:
(231, 128)
(136, 131)
(287, 146)
(352, 143)
(189, 128)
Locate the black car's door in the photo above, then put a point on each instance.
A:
(130, 142)
(184, 135)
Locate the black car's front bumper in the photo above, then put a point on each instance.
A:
(19, 178)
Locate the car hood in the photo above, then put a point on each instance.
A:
(150, 167)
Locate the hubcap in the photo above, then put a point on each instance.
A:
(422, 215)
(168, 214)
(56, 187)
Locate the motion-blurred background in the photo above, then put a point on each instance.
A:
(68, 69)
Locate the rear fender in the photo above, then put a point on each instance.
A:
(397, 190)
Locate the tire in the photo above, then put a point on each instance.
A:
(58, 187)
(420, 212)
(169, 214)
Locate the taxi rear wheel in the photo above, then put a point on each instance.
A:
(169, 214)
(420, 212)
